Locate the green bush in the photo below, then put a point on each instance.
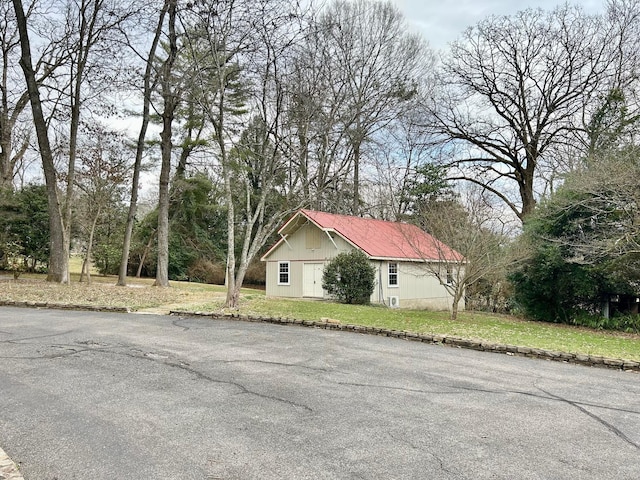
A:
(24, 228)
(350, 278)
(107, 257)
(621, 323)
(550, 289)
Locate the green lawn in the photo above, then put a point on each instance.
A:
(494, 328)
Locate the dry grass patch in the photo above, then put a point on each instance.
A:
(139, 295)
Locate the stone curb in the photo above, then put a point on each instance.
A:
(8, 469)
(451, 341)
(64, 306)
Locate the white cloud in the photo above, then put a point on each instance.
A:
(442, 21)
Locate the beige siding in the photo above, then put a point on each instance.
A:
(298, 249)
(417, 287)
(313, 238)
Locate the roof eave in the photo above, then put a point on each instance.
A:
(415, 260)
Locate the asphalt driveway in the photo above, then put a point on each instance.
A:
(114, 396)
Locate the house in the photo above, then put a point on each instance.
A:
(399, 252)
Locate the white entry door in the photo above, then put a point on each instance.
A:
(312, 280)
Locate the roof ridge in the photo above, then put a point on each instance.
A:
(368, 219)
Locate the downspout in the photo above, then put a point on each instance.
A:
(380, 290)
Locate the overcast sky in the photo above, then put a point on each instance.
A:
(441, 21)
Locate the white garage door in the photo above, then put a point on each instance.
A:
(312, 280)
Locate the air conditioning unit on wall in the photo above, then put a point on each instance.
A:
(393, 301)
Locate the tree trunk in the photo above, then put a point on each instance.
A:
(170, 99)
(355, 208)
(162, 269)
(458, 292)
(454, 307)
(145, 252)
(6, 165)
(58, 256)
(6, 168)
(84, 271)
(141, 264)
(73, 147)
(71, 170)
(233, 293)
(526, 189)
(133, 204)
(86, 264)
(8, 119)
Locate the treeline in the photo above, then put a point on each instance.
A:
(248, 111)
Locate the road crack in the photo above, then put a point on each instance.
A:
(612, 428)
(36, 337)
(279, 364)
(158, 358)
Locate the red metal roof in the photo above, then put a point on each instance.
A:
(378, 238)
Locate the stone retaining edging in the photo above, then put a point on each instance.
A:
(64, 306)
(451, 341)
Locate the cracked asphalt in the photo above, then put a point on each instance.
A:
(103, 396)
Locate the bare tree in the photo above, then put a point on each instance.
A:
(218, 37)
(77, 44)
(613, 120)
(517, 87)
(315, 139)
(170, 93)
(100, 178)
(473, 229)
(372, 64)
(355, 70)
(623, 20)
(59, 258)
(91, 50)
(241, 51)
(400, 151)
(149, 80)
(15, 124)
(14, 99)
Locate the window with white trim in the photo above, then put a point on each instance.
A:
(283, 273)
(393, 274)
